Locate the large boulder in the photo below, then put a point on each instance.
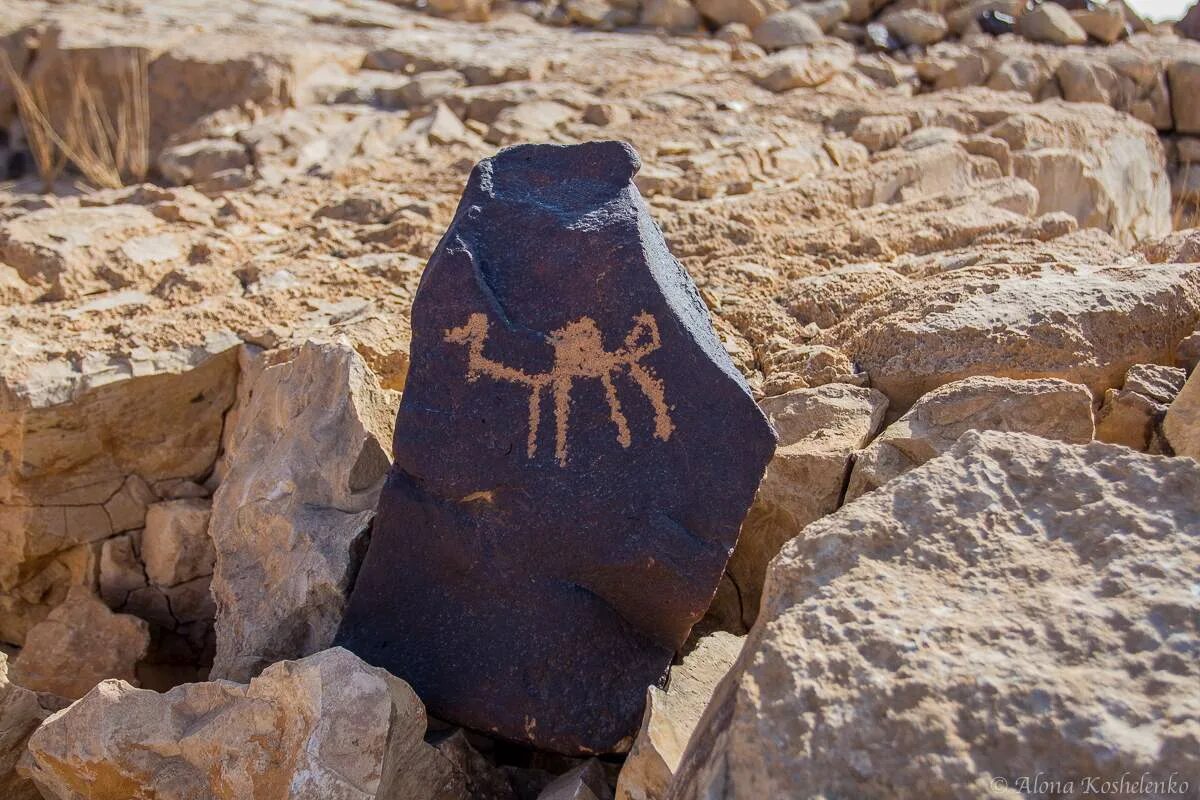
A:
(79, 644)
(576, 450)
(327, 726)
(1051, 408)
(1084, 325)
(672, 714)
(306, 460)
(819, 430)
(1015, 608)
(1184, 77)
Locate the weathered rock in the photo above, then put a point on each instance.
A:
(1160, 383)
(787, 29)
(327, 726)
(87, 472)
(915, 26)
(79, 644)
(584, 782)
(1104, 23)
(1128, 418)
(631, 533)
(826, 13)
(976, 677)
(469, 10)
(199, 161)
(1085, 326)
(818, 429)
(804, 67)
(1053, 409)
(881, 131)
(678, 16)
(747, 12)
(307, 458)
(1182, 424)
(1189, 25)
(671, 716)
(1050, 23)
(20, 715)
(175, 542)
(1184, 77)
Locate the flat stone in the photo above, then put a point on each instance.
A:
(1157, 381)
(175, 543)
(566, 403)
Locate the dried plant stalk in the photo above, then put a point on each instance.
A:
(110, 148)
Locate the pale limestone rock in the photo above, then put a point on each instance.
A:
(1103, 23)
(468, 10)
(79, 644)
(1160, 383)
(826, 13)
(677, 16)
(881, 131)
(989, 615)
(69, 252)
(1103, 168)
(1052, 24)
(825, 299)
(1050, 408)
(199, 161)
(672, 714)
(1182, 424)
(175, 543)
(1128, 418)
(1084, 325)
(20, 715)
(818, 431)
(327, 726)
(787, 29)
(747, 12)
(916, 26)
(306, 461)
(803, 67)
(88, 471)
(1184, 77)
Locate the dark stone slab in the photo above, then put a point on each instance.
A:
(574, 454)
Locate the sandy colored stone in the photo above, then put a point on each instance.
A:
(20, 715)
(747, 12)
(327, 726)
(787, 29)
(1156, 381)
(915, 26)
(1103, 23)
(175, 543)
(1086, 326)
(201, 160)
(1050, 23)
(672, 715)
(1051, 408)
(1182, 423)
(1028, 637)
(79, 644)
(1184, 78)
(1128, 418)
(584, 782)
(803, 67)
(306, 460)
(818, 430)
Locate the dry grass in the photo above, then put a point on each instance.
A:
(108, 142)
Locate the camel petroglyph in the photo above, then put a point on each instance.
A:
(578, 353)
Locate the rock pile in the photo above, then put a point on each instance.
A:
(946, 250)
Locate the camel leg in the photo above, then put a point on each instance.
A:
(653, 388)
(535, 418)
(562, 412)
(614, 407)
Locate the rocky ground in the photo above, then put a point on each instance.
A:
(947, 245)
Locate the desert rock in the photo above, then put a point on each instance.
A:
(514, 403)
(20, 715)
(991, 558)
(1053, 409)
(1182, 423)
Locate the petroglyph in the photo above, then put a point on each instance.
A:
(578, 353)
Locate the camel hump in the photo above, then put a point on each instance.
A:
(475, 328)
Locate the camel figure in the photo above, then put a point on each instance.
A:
(578, 353)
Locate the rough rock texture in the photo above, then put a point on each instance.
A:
(291, 516)
(1029, 639)
(78, 645)
(818, 429)
(1050, 408)
(1083, 325)
(671, 716)
(554, 455)
(20, 715)
(1051, 23)
(585, 782)
(1182, 423)
(327, 726)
